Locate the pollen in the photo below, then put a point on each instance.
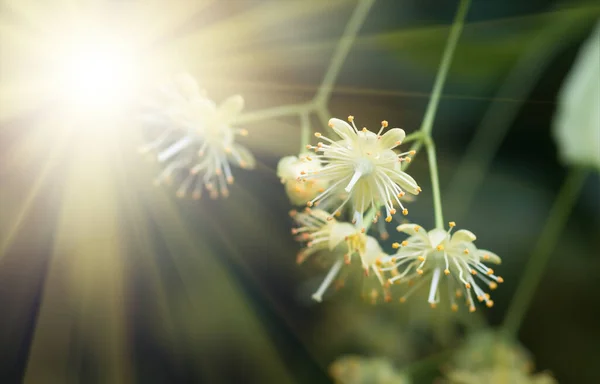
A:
(440, 247)
(452, 224)
(405, 211)
(404, 243)
(395, 245)
(384, 124)
(446, 272)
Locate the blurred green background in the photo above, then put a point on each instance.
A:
(105, 278)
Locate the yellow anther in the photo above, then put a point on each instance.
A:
(486, 257)
(480, 298)
(293, 213)
(487, 296)
(404, 243)
(421, 258)
(454, 308)
(392, 211)
(490, 271)
(396, 245)
(402, 300)
(310, 204)
(329, 218)
(308, 146)
(401, 194)
(466, 251)
(388, 219)
(407, 159)
(318, 134)
(398, 142)
(432, 305)
(412, 153)
(378, 261)
(330, 124)
(473, 272)
(499, 279)
(337, 214)
(446, 272)
(472, 309)
(490, 303)
(350, 118)
(416, 228)
(458, 293)
(452, 224)
(364, 129)
(493, 285)
(419, 190)
(468, 286)
(230, 180)
(384, 123)
(405, 211)
(302, 172)
(363, 230)
(420, 271)
(440, 247)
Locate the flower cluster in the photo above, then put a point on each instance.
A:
(362, 170)
(194, 138)
(353, 369)
(488, 357)
(426, 256)
(338, 243)
(363, 167)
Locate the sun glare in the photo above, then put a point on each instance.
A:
(97, 73)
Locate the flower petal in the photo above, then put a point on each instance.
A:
(462, 236)
(488, 256)
(231, 108)
(187, 86)
(412, 229)
(338, 233)
(392, 138)
(437, 236)
(286, 169)
(343, 129)
(405, 181)
(372, 252)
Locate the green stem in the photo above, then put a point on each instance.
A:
(457, 26)
(435, 182)
(304, 131)
(343, 48)
(543, 250)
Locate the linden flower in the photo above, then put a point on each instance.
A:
(364, 166)
(487, 357)
(290, 169)
(353, 369)
(197, 143)
(339, 240)
(426, 255)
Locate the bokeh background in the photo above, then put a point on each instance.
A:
(106, 278)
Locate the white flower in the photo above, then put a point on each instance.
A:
(577, 123)
(339, 241)
(290, 169)
(197, 140)
(428, 255)
(364, 166)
